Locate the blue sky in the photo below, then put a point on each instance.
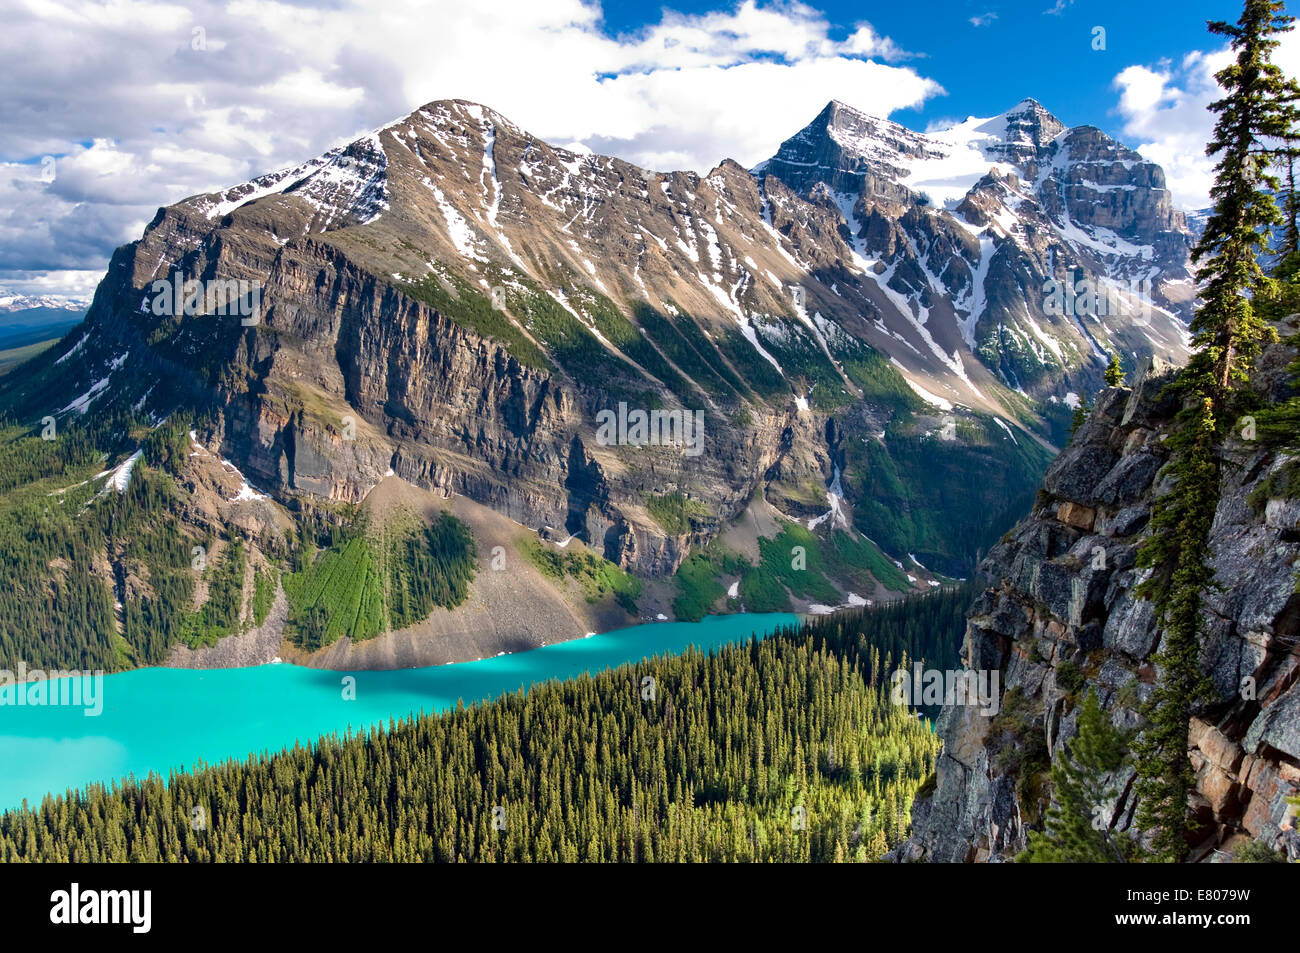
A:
(143, 102)
(1021, 50)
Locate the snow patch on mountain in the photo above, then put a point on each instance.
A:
(80, 404)
(933, 399)
(347, 185)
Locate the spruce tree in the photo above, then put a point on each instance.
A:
(1291, 230)
(1114, 372)
(1080, 415)
(1078, 822)
(1256, 120)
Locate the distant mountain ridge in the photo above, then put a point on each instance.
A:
(26, 320)
(12, 301)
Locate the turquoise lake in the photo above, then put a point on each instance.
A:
(160, 719)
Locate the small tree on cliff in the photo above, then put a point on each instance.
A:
(1083, 802)
(1080, 415)
(1176, 550)
(1114, 371)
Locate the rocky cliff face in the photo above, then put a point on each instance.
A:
(1061, 616)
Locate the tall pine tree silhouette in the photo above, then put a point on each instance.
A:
(1255, 125)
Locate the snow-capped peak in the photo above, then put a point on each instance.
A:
(346, 185)
(944, 163)
(13, 301)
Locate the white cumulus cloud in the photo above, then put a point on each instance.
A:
(144, 102)
(1164, 107)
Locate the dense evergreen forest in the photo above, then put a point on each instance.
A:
(785, 749)
(56, 527)
(372, 579)
(105, 577)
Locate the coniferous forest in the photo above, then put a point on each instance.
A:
(69, 546)
(785, 749)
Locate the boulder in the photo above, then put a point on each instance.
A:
(1076, 515)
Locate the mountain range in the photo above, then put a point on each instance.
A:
(29, 319)
(12, 302)
(881, 334)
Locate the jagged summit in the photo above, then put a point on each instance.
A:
(1029, 104)
(455, 112)
(844, 139)
(974, 223)
(1029, 114)
(348, 184)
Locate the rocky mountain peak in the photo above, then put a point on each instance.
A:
(1053, 245)
(1024, 136)
(471, 297)
(455, 115)
(1029, 121)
